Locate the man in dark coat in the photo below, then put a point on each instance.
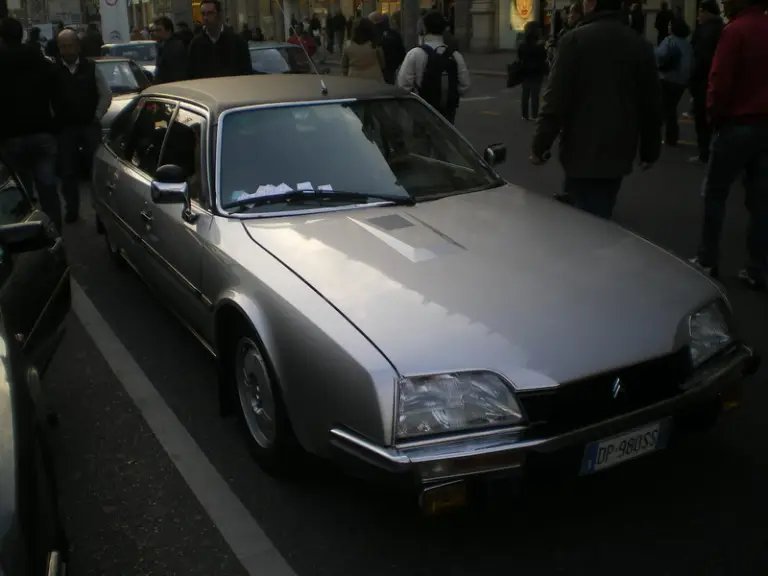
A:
(705, 43)
(663, 18)
(603, 100)
(217, 51)
(27, 140)
(171, 65)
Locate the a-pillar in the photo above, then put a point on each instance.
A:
(483, 14)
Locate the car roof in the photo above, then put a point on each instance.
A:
(110, 59)
(269, 44)
(128, 43)
(221, 94)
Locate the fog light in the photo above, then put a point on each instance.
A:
(484, 463)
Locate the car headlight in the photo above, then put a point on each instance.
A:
(454, 403)
(709, 332)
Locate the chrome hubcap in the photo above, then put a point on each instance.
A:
(254, 389)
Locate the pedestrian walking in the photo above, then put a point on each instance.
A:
(92, 42)
(51, 47)
(674, 57)
(82, 99)
(184, 33)
(706, 38)
(392, 46)
(436, 72)
(737, 104)
(363, 57)
(171, 64)
(27, 140)
(217, 51)
(533, 66)
(603, 100)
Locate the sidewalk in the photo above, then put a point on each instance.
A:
(494, 64)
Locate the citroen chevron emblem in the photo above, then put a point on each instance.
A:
(617, 388)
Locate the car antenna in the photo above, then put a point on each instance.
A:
(323, 87)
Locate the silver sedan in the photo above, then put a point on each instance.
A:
(375, 293)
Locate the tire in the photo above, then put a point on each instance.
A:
(258, 403)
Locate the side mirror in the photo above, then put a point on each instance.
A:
(25, 236)
(169, 185)
(495, 154)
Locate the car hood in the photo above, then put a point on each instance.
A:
(504, 280)
(119, 101)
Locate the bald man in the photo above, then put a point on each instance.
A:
(83, 99)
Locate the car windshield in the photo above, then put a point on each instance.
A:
(123, 77)
(280, 60)
(394, 147)
(140, 52)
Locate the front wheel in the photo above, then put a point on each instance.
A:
(262, 412)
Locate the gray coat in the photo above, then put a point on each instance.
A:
(603, 99)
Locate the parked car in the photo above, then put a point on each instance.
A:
(34, 303)
(281, 58)
(125, 80)
(374, 292)
(143, 52)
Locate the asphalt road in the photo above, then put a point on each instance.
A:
(698, 509)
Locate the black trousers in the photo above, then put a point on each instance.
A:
(703, 127)
(671, 93)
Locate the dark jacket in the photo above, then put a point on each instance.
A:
(533, 61)
(25, 98)
(171, 61)
(603, 99)
(704, 45)
(77, 95)
(228, 56)
(394, 52)
(90, 47)
(186, 36)
(663, 18)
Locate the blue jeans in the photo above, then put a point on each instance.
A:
(33, 158)
(736, 150)
(594, 195)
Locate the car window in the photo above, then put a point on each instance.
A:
(183, 147)
(121, 127)
(280, 60)
(144, 142)
(141, 52)
(14, 204)
(121, 77)
(397, 147)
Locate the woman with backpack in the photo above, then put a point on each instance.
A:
(363, 58)
(533, 67)
(674, 57)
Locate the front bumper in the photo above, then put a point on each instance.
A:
(504, 452)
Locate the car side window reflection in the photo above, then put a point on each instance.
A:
(14, 204)
(144, 143)
(183, 147)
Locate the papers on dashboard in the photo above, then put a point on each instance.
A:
(266, 190)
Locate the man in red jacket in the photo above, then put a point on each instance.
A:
(737, 104)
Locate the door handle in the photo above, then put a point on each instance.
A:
(147, 217)
(56, 246)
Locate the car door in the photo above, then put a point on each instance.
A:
(175, 237)
(34, 284)
(139, 154)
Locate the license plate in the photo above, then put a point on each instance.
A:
(626, 446)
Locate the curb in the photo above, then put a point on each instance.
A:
(492, 73)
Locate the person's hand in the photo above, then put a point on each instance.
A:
(646, 166)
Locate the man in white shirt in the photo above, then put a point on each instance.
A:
(435, 71)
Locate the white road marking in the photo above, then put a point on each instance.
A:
(248, 541)
(478, 98)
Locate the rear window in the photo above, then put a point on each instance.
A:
(139, 52)
(280, 60)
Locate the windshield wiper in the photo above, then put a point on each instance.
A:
(301, 196)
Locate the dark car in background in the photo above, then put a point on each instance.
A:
(281, 58)
(143, 52)
(35, 300)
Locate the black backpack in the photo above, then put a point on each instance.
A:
(440, 82)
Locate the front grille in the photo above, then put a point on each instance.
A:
(591, 400)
